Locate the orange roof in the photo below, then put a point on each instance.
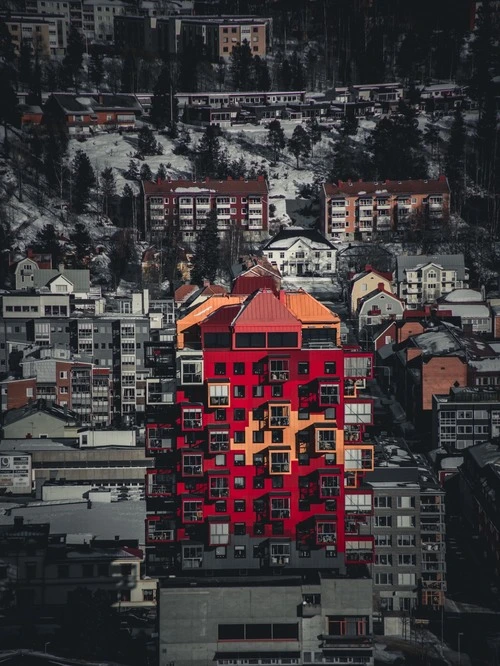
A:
(202, 311)
(184, 291)
(212, 289)
(308, 310)
(265, 309)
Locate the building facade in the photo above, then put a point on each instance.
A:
(46, 34)
(423, 279)
(359, 209)
(408, 524)
(301, 252)
(184, 205)
(465, 417)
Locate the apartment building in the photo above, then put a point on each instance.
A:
(359, 209)
(46, 34)
(464, 417)
(218, 35)
(259, 467)
(423, 278)
(184, 205)
(408, 525)
(479, 485)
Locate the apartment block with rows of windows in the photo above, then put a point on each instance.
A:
(465, 417)
(409, 568)
(259, 464)
(181, 206)
(358, 209)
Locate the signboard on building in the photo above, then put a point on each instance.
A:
(15, 473)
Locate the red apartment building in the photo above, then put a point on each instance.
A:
(185, 204)
(260, 460)
(356, 209)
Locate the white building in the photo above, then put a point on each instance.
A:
(424, 279)
(469, 305)
(298, 251)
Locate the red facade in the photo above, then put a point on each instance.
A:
(261, 462)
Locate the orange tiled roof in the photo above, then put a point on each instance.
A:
(308, 310)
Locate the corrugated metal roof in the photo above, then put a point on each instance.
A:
(224, 315)
(308, 310)
(266, 308)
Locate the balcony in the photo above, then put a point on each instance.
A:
(279, 416)
(279, 370)
(159, 530)
(160, 483)
(325, 440)
(326, 532)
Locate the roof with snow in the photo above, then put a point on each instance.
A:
(208, 185)
(387, 187)
(446, 261)
(285, 238)
(463, 296)
(465, 310)
(83, 104)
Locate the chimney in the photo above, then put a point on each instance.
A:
(117, 537)
(380, 286)
(60, 267)
(206, 283)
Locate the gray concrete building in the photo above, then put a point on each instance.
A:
(409, 529)
(313, 618)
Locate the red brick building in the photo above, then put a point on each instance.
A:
(357, 208)
(260, 460)
(185, 204)
(16, 393)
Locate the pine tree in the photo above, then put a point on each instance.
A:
(132, 172)
(208, 154)
(83, 180)
(188, 69)
(35, 84)
(6, 243)
(261, 74)
(127, 206)
(297, 72)
(486, 138)
(314, 132)
(108, 188)
(163, 105)
(397, 147)
(146, 142)
(276, 138)
(299, 144)
(241, 67)
(96, 69)
(80, 238)
(350, 161)
(483, 50)
(73, 60)
(129, 73)
(349, 125)
(146, 173)
(206, 257)
(47, 241)
(161, 174)
(455, 160)
(25, 66)
(9, 109)
(285, 75)
(7, 51)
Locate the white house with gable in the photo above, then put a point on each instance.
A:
(297, 252)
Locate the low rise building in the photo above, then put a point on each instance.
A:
(378, 306)
(470, 307)
(39, 420)
(365, 282)
(311, 618)
(359, 209)
(301, 252)
(424, 279)
(184, 205)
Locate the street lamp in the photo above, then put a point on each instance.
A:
(460, 633)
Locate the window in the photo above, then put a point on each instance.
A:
(258, 391)
(218, 440)
(330, 368)
(258, 482)
(407, 559)
(383, 502)
(279, 462)
(405, 502)
(239, 368)
(383, 560)
(249, 340)
(220, 460)
(326, 440)
(383, 579)
(219, 486)
(406, 540)
(219, 534)
(328, 394)
(239, 391)
(192, 464)
(240, 529)
(240, 506)
(239, 415)
(303, 368)
(280, 340)
(218, 395)
(383, 521)
(280, 508)
(405, 521)
(277, 391)
(63, 375)
(358, 412)
(279, 370)
(220, 414)
(258, 368)
(192, 372)
(341, 625)
(239, 482)
(239, 459)
(191, 419)
(258, 436)
(383, 540)
(240, 552)
(406, 579)
(239, 436)
(220, 369)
